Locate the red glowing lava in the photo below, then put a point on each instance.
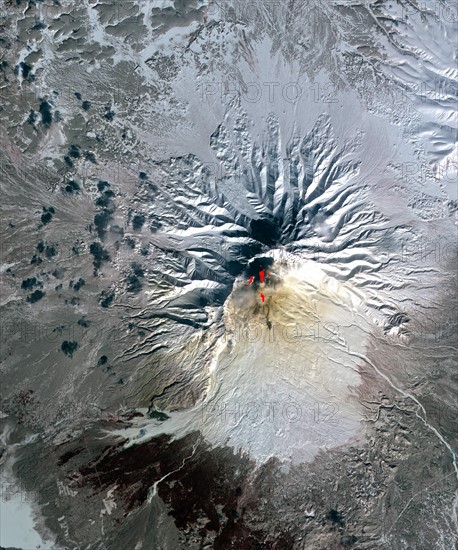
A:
(261, 278)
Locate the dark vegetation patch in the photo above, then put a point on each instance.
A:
(26, 71)
(335, 517)
(102, 185)
(155, 225)
(77, 284)
(130, 242)
(99, 253)
(102, 202)
(72, 187)
(137, 221)
(35, 296)
(106, 298)
(74, 151)
(39, 26)
(51, 251)
(103, 218)
(137, 269)
(86, 105)
(25, 68)
(45, 112)
(32, 118)
(133, 284)
(46, 218)
(29, 283)
(109, 114)
(101, 221)
(69, 347)
(47, 215)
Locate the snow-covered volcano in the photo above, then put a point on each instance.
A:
(229, 274)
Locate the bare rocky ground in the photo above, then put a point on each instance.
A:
(149, 152)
